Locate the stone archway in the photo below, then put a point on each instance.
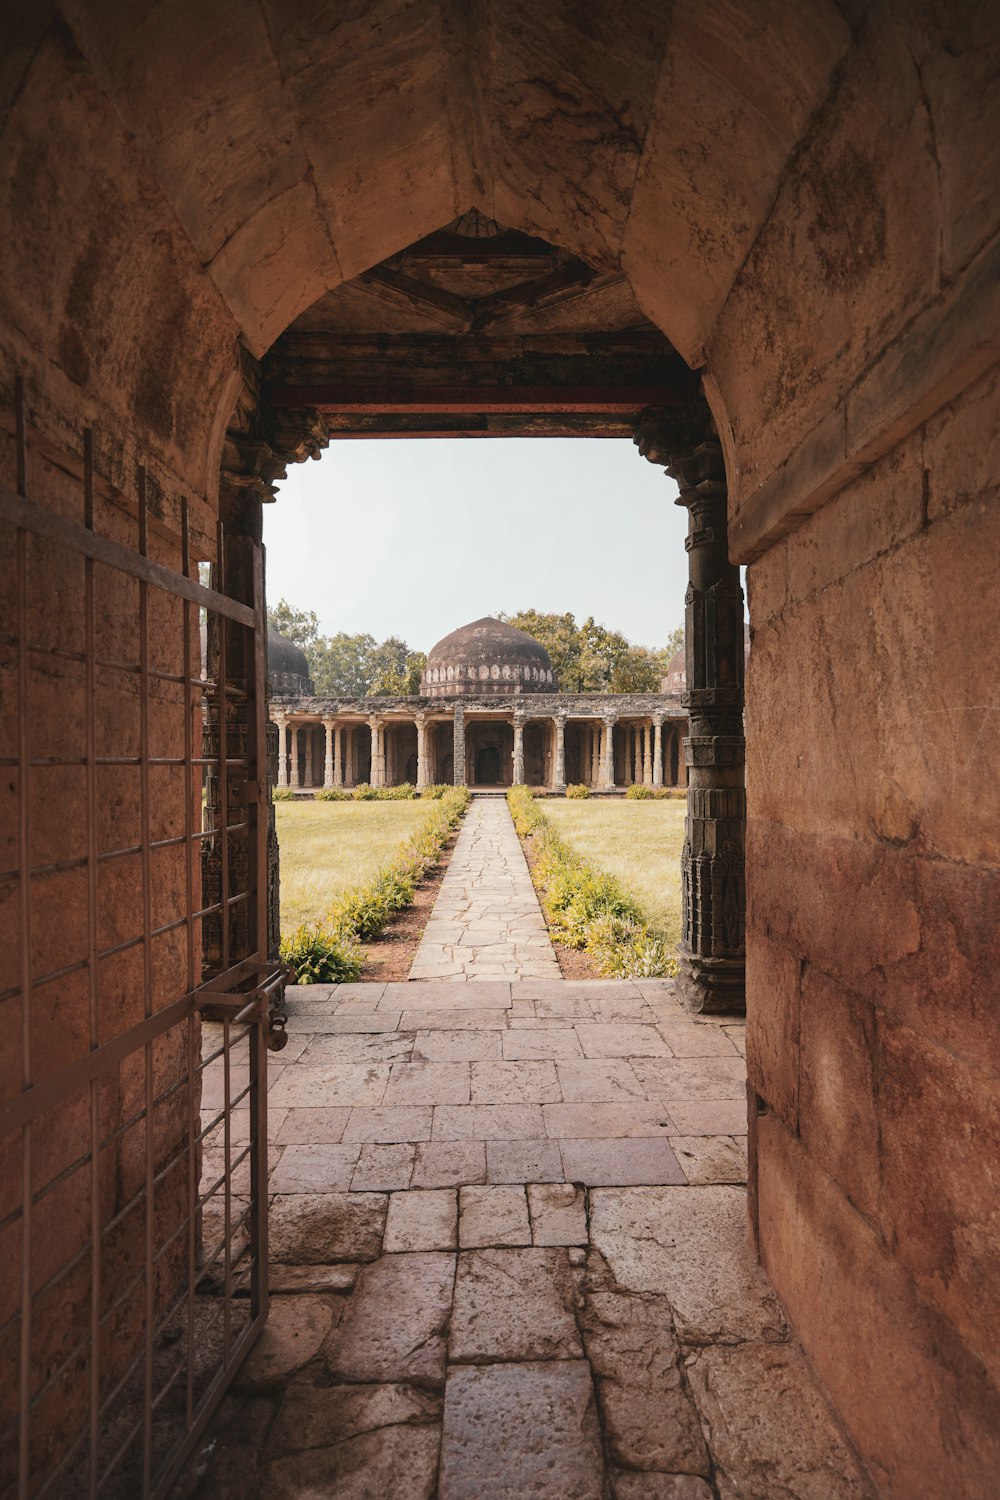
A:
(802, 202)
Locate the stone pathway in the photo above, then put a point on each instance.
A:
(486, 922)
(509, 1259)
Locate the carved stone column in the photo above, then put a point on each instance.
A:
(309, 756)
(282, 726)
(349, 776)
(296, 780)
(608, 752)
(518, 750)
(559, 767)
(647, 754)
(712, 973)
(458, 750)
(423, 763)
(338, 764)
(657, 749)
(377, 772)
(328, 757)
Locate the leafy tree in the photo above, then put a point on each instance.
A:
(590, 658)
(298, 625)
(349, 666)
(341, 665)
(561, 639)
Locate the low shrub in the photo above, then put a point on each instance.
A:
(321, 956)
(365, 792)
(436, 791)
(578, 789)
(637, 792)
(323, 953)
(333, 794)
(586, 907)
(282, 794)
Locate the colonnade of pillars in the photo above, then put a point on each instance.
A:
(342, 761)
(605, 753)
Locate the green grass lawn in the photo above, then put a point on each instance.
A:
(328, 846)
(638, 842)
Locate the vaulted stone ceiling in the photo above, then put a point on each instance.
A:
(477, 330)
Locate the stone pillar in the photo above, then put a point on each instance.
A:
(338, 764)
(518, 751)
(423, 762)
(647, 754)
(713, 889)
(377, 767)
(657, 749)
(296, 781)
(636, 753)
(595, 755)
(309, 755)
(458, 750)
(349, 778)
(328, 733)
(559, 768)
(282, 724)
(608, 757)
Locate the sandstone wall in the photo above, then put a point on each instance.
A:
(873, 911)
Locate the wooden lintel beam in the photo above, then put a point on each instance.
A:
(443, 400)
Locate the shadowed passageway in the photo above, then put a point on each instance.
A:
(509, 1245)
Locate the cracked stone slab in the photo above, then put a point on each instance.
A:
(518, 1430)
(400, 1460)
(394, 1326)
(319, 1417)
(690, 1245)
(558, 1213)
(649, 1420)
(771, 1430)
(514, 1305)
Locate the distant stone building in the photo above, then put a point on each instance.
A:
(489, 714)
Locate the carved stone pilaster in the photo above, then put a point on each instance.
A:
(713, 886)
(559, 768)
(458, 752)
(518, 776)
(608, 751)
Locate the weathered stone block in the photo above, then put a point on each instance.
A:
(394, 1326)
(649, 1420)
(315, 1228)
(512, 1430)
(772, 1430)
(514, 1305)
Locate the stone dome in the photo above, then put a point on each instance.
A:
(487, 657)
(287, 667)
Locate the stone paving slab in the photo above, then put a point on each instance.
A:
(544, 1289)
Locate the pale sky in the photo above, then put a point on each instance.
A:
(415, 538)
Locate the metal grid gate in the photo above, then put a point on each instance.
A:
(133, 1228)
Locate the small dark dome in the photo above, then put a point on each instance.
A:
(287, 667)
(487, 657)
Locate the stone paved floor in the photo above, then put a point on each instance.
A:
(509, 1259)
(486, 922)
